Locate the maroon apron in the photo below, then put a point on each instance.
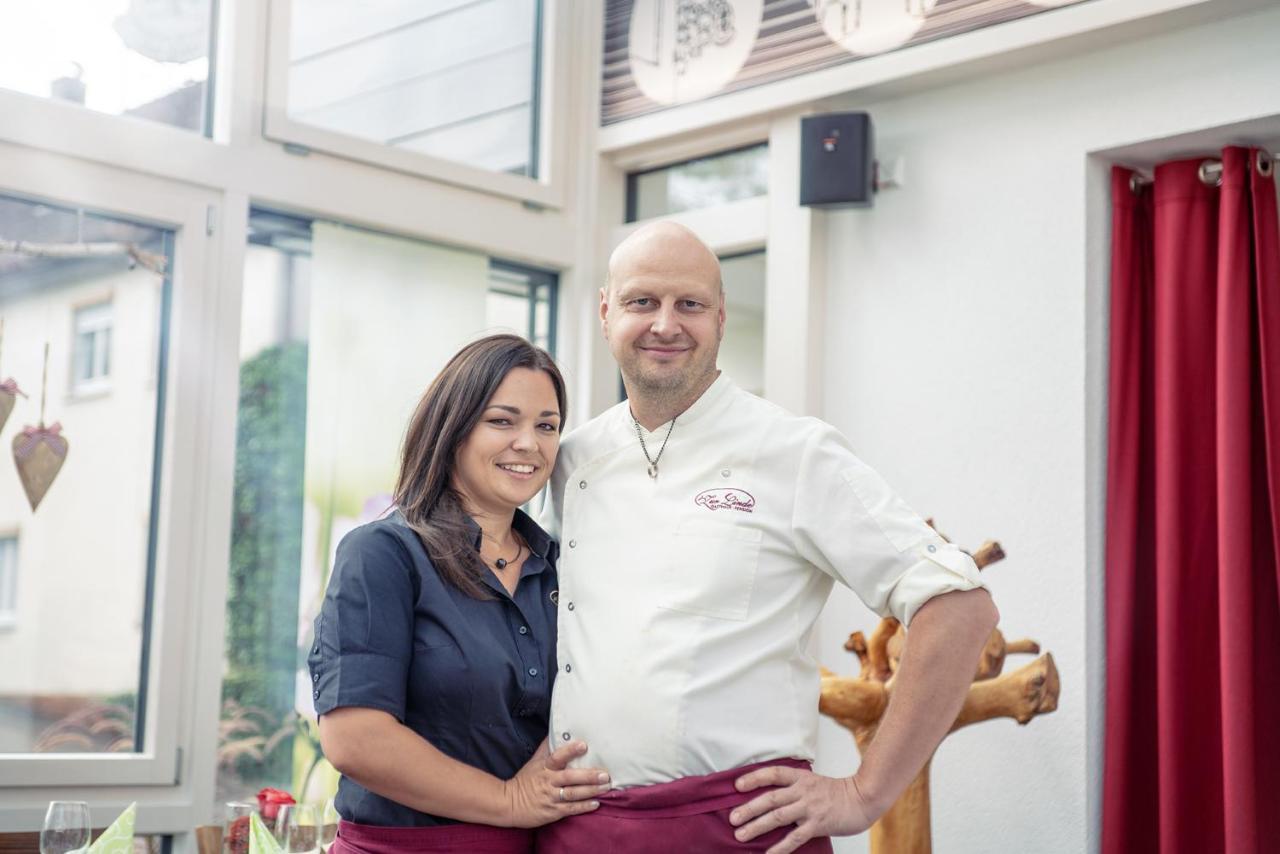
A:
(446, 839)
(689, 814)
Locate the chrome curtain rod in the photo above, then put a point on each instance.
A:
(1211, 171)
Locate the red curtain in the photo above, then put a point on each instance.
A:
(1193, 512)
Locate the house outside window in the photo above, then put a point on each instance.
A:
(8, 581)
(91, 368)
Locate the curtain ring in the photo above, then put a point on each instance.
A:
(1136, 183)
(1262, 160)
(1211, 173)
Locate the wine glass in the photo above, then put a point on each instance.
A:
(235, 831)
(66, 827)
(328, 824)
(298, 828)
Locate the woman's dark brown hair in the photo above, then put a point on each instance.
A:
(445, 416)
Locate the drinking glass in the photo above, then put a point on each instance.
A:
(235, 830)
(66, 827)
(298, 828)
(328, 824)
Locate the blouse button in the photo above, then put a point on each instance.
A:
(533, 671)
(570, 606)
(524, 630)
(932, 548)
(565, 736)
(568, 668)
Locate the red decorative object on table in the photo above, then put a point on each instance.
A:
(237, 841)
(270, 801)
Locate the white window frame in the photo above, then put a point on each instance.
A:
(547, 190)
(85, 322)
(184, 507)
(9, 582)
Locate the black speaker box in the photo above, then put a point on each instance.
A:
(837, 160)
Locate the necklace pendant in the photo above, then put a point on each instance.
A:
(653, 471)
(500, 563)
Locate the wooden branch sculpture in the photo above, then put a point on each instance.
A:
(857, 704)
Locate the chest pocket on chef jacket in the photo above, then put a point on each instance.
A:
(711, 570)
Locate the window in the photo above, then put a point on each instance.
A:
(91, 364)
(702, 183)
(125, 57)
(324, 400)
(522, 300)
(425, 85)
(8, 581)
(75, 674)
(742, 350)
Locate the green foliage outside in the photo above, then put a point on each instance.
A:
(262, 655)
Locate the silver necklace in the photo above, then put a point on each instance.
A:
(653, 461)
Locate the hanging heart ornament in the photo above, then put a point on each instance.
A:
(9, 392)
(38, 453)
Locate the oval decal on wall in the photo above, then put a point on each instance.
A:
(683, 50)
(871, 26)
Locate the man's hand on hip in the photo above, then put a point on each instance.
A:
(818, 806)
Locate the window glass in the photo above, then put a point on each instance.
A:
(92, 360)
(342, 330)
(742, 350)
(143, 58)
(74, 672)
(701, 183)
(455, 79)
(8, 581)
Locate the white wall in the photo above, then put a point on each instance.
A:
(966, 332)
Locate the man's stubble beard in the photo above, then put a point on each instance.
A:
(670, 389)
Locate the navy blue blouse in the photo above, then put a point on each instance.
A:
(471, 676)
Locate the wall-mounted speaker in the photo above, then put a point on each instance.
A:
(837, 160)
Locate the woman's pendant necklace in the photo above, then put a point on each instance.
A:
(653, 461)
(501, 563)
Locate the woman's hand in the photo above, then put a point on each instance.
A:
(546, 789)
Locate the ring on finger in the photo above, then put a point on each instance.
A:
(562, 793)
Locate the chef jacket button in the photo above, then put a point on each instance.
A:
(565, 736)
(573, 544)
(725, 472)
(932, 548)
(568, 668)
(570, 606)
(582, 484)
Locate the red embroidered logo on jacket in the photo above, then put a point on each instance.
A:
(726, 499)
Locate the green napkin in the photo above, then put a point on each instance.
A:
(260, 839)
(118, 838)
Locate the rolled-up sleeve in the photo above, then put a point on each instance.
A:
(364, 633)
(851, 525)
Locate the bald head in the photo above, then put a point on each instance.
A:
(662, 312)
(663, 249)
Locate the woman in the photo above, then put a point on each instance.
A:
(435, 646)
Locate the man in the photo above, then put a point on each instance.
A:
(701, 530)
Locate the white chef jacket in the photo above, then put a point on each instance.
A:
(686, 602)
